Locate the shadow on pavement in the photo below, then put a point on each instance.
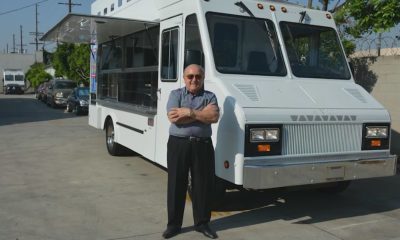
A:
(23, 109)
(363, 197)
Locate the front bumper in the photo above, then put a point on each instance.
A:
(60, 101)
(261, 174)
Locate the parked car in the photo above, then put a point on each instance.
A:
(14, 89)
(58, 91)
(78, 100)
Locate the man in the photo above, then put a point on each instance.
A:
(191, 111)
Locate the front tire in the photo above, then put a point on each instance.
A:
(114, 149)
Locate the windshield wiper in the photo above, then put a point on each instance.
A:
(302, 16)
(269, 32)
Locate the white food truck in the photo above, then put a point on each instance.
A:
(13, 77)
(291, 113)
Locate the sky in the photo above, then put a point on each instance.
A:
(14, 13)
(50, 12)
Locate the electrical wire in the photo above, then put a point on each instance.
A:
(20, 8)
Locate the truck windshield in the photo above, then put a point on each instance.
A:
(19, 77)
(245, 45)
(9, 77)
(314, 51)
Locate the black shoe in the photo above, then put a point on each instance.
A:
(171, 231)
(206, 230)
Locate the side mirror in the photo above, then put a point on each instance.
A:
(193, 57)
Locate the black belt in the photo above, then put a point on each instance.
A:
(194, 139)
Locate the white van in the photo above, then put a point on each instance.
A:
(291, 113)
(15, 77)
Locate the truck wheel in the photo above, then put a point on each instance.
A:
(334, 188)
(114, 149)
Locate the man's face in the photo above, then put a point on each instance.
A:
(194, 78)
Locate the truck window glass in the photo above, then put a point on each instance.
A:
(169, 55)
(19, 77)
(9, 78)
(244, 45)
(226, 38)
(140, 48)
(133, 79)
(314, 51)
(111, 54)
(193, 47)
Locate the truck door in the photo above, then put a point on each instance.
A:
(170, 78)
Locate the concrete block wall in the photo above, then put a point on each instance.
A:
(387, 92)
(18, 61)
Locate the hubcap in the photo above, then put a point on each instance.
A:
(110, 136)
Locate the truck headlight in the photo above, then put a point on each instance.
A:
(59, 94)
(264, 134)
(375, 136)
(83, 102)
(376, 132)
(263, 140)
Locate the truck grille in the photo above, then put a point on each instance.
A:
(320, 138)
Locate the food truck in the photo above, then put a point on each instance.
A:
(290, 111)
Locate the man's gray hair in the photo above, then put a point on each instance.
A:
(194, 65)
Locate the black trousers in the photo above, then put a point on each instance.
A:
(197, 157)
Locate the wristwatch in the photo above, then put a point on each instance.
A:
(191, 114)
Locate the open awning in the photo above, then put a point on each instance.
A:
(81, 28)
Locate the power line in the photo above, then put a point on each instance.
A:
(20, 8)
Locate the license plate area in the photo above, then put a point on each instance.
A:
(335, 173)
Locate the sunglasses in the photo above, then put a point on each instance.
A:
(192, 76)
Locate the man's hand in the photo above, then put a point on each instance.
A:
(209, 114)
(180, 116)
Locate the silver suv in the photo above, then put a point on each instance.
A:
(58, 92)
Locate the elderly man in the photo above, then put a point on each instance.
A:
(191, 111)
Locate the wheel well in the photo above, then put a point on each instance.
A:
(108, 118)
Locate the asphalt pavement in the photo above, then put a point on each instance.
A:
(57, 182)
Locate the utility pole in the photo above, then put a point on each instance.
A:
(36, 34)
(70, 4)
(21, 45)
(13, 44)
(309, 5)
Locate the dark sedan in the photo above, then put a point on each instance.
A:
(78, 100)
(14, 89)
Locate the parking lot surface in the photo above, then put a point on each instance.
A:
(57, 182)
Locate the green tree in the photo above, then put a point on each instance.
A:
(368, 16)
(79, 62)
(72, 61)
(37, 74)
